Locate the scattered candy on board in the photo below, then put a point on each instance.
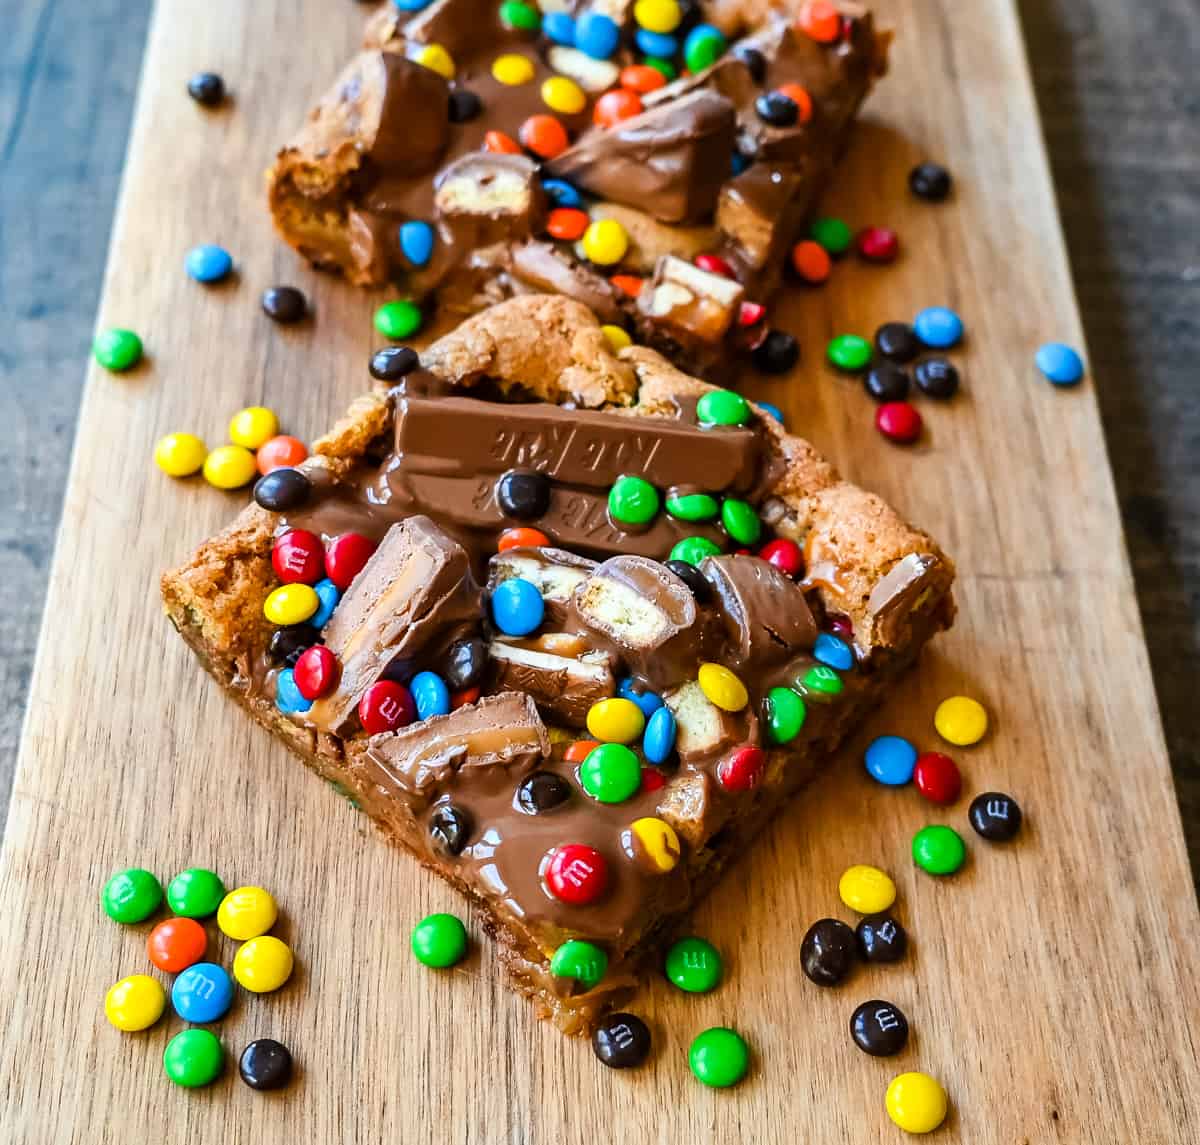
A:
(719, 1057)
(265, 1064)
(621, 1041)
(135, 1002)
(193, 1058)
(866, 889)
(439, 941)
(202, 993)
(879, 1028)
(916, 1102)
(828, 951)
(938, 850)
(1059, 364)
(961, 721)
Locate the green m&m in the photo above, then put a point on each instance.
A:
(821, 682)
(518, 16)
(938, 850)
(398, 319)
(439, 940)
(583, 961)
(193, 1058)
(694, 965)
(722, 407)
(692, 506)
(632, 501)
(702, 48)
(131, 895)
(849, 352)
(833, 234)
(719, 1057)
(667, 69)
(610, 773)
(740, 520)
(693, 550)
(195, 893)
(785, 714)
(117, 349)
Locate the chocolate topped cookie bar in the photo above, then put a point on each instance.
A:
(464, 157)
(564, 623)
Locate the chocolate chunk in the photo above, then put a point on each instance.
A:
(546, 267)
(645, 615)
(450, 828)
(418, 761)
(693, 305)
(563, 672)
(766, 618)
(498, 195)
(879, 1028)
(827, 952)
(759, 210)
(541, 792)
(669, 161)
(897, 593)
(415, 588)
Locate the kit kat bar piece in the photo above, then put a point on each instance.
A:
(564, 672)
(416, 587)
(418, 762)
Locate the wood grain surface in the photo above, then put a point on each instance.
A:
(1050, 984)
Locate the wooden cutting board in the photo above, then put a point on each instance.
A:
(1052, 984)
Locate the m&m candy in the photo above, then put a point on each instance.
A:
(652, 842)
(785, 555)
(995, 816)
(658, 15)
(519, 16)
(1059, 363)
(561, 193)
(827, 951)
(500, 144)
(649, 702)
(899, 422)
(615, 720)
(521, 537)
(209, 263)
(575, 874)
(246, 913)
(316, 672)
(566, 223)
(878, 244)
(938, 850)
(605, 242)
(693, 965)
(833, 651)
(131, 895)
(282, 489)
(563, 95)
(704, 46)
(849, 352)
(722, 688)
(658, 740)
(202, 993)
(621, 1041)
(175, 943)
(617, 337)
(742, 769)
(820, 20)
(633, 501)
(616, 105)
(439, 941)
(280, 452)
(866, 889)
(811, 261)
(195, 893)
(693, 550)
(230, 467)
(890, 760)
(833, 234)
(287, 695)
(719, 1057)
(517, 607)
(879, 1028)
(641, 78)
(596, 35)
(723, 407)
(193, 1058)
(416, 241)
(938, 327)
(135, 1003)
(117, 350)
(265, 1064)
(436, 59)
(881, 938)
(611, 772)
(346, 556)
(930, 181)
(512, 69)
(298, 557)
(741, 521)
(559, 28)
(430, 694)
(386, 706)
(180, 454)
(937, 777)
(583, 961)
(398, 319)
(253, 426)
(544, 135)
(693, 506)
(916, 1102)
(785, 714)
(961, 721)
(290, 604)
(263, 964)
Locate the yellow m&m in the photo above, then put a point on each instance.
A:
(961, 720)
(263, 964)
(230, 467)
(662, 16)
(246, 913)
(616, 720)
(253, 426)
(291, 604)
(867, 890)
(605, 242)
(135, 1003)
(563, 95)
(916, 1102)
(653, 843)
(180, 454)
(512, 69)
(617, 338)
(723, 688)
(436, 59)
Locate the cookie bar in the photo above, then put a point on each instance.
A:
(470, 674)
(422, 167)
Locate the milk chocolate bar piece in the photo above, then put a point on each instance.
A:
(499, 193)
(555, 572)
(693, 305)
(562, 671)
(669, 161)
(414, 588)
(503, 730)
(544, 267)
(766, 617)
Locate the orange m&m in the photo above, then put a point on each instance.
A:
(544, 135)
(820, 20)
(628, 284)
(811, 261)
(642, 78)
(176, 943)
(616, 105)
(579, 750)
(281, 452)
(567, 223)
(522, 537)
(800, 97)
(501, 144)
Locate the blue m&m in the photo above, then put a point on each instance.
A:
(656, 43)
(938, 327)
(658, 740)
(412, 5)
(287, 695)
(597, 35)
(891, 760)
(517, 607)
(430, 694)
(416, 242)
(328, 595)
(834, 651)
(774, 411)
(209, 263)
(561, 193)
(1059, 363)
(559, 28)
(202, 993)
(649, 702)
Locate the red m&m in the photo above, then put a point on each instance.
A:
(742, 769)
(316, 672)
(751, 313)
(298, 558)
(898, 421)
(386, 706)
(937, 777)
(878, 244)
(345, 557)
(176, 943)
(714, 264)
(575, 874)
(785, 555)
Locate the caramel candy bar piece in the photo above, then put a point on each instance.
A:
(555, 572)
(645, 615)
(543, 266)
(759, 210)
(416, 585)
(500, 194)
(562, 671)
(669, 161)
(504, 730)
(692, 304)
(767, 619)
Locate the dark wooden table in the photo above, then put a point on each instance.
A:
(1120, 104)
